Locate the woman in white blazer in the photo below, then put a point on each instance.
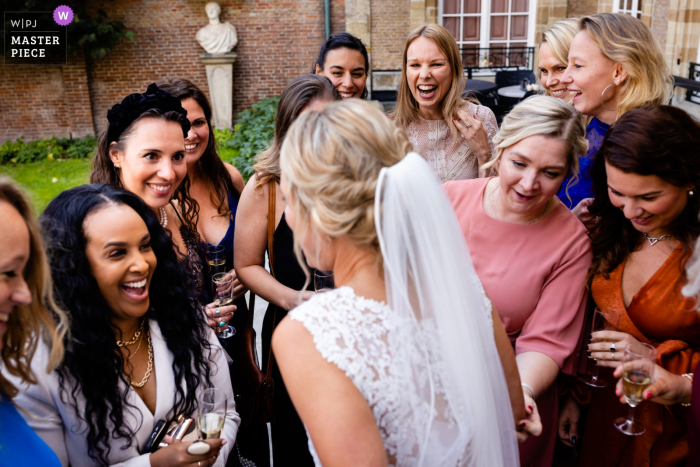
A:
(139, 349)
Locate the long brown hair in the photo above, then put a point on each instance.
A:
(299, 93)
(662, 141)
(210, 166)
(30, 321)
(406, 111)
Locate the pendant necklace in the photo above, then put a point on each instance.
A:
(653, 240)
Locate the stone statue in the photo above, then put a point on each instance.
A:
(216, 37)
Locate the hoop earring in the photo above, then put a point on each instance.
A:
(601, 98)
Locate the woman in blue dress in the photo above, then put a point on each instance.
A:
(25, 286)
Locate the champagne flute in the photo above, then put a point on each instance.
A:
(600, 319)
(216, 258)
(223, 295)
(323, 281)
(211, 413)
(638, 363)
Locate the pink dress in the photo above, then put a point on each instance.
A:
(535, 276)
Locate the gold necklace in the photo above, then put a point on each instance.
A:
(150, 364)
(131, 354)
(137, 334)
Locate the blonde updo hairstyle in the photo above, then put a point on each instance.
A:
(406, 111)
(628, 41)
(543, 116)
(331, 161)
(559, 38)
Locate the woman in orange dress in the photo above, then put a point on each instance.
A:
(645, 221)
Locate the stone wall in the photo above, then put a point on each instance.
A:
(278, 40)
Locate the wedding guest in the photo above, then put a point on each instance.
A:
(343, 59)
(143, 150)
(454, 135)
(644, 225)
(554, 57)
(530, 252)
(383, 369)
(289, 441)
(615, 65)
(25, 286)
(216, 186)
(139, 350)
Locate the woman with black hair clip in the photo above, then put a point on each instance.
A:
(343, 59)
(139, 350)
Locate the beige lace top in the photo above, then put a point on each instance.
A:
(451, 160)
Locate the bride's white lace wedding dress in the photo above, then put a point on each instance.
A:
(374, 347)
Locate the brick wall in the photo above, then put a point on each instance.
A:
(278, 40)
(391, 24)
(45, 101)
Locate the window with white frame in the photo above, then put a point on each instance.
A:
(628, 7)
(489, 24)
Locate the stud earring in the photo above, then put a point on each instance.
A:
(691, 192)
(116, 166)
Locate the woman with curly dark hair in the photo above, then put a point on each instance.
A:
(644, 224)
(143, 150)
(139, 349)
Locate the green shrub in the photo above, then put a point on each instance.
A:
(252, 134)
(21, 152)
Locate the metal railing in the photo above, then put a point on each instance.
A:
(496, 58)
(693, 95)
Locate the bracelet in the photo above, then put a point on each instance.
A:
(529, 388)
(689, 376)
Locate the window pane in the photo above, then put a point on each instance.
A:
(499, 25)
(470, 55)
(518, 28)
(518, 54)
(629, 5)
(471, 28)
(472, 6)
(520, 6)
(499, 6)
(450, 7)
(452, 25)
(497, 54)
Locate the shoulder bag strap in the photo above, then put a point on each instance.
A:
(271, 255)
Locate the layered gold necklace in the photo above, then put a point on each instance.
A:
(138, 336)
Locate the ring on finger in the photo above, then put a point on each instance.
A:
(469, 125)
(218, 312)
(612, 347)
(612, 355)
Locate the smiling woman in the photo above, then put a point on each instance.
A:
(343, 60)
(455, 136)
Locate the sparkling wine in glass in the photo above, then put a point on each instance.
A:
(638, 365)
(323, 281)
(216, 258)
(223, 295)
(211, 413)
(601, 322)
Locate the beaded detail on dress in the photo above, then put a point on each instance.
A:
(450, 159)
(373, 345)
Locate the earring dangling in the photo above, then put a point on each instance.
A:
(601, 98)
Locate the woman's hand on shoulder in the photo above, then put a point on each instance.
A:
(666, 388)
(176, 455)
(607, 347)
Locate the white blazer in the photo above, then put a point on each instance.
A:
(56, 423)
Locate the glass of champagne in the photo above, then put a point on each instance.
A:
(223, 295)
(638, 364)
(323, 281)
(216, 258)
(211, 413)
(601, 321)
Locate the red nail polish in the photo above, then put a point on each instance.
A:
(529, 408)
(523, 423)
(647, 395)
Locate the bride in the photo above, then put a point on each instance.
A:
(398, 365)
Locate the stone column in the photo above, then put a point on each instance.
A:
(220, 77)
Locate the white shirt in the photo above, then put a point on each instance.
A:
(56, 422)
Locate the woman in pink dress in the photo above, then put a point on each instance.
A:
(530, 252)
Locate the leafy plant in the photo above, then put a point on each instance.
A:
(96, 36)
(21, 152)
(253, 134)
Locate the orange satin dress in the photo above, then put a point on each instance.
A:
(661, 316)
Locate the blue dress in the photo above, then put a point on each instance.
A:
(595, 133)
(19, 445)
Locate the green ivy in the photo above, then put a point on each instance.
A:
(18, 152)
(252, 134)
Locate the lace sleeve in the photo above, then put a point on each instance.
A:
(489, 120)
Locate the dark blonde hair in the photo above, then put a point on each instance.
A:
(406, 111)
(33, 320)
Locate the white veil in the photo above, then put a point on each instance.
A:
(462, 415)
